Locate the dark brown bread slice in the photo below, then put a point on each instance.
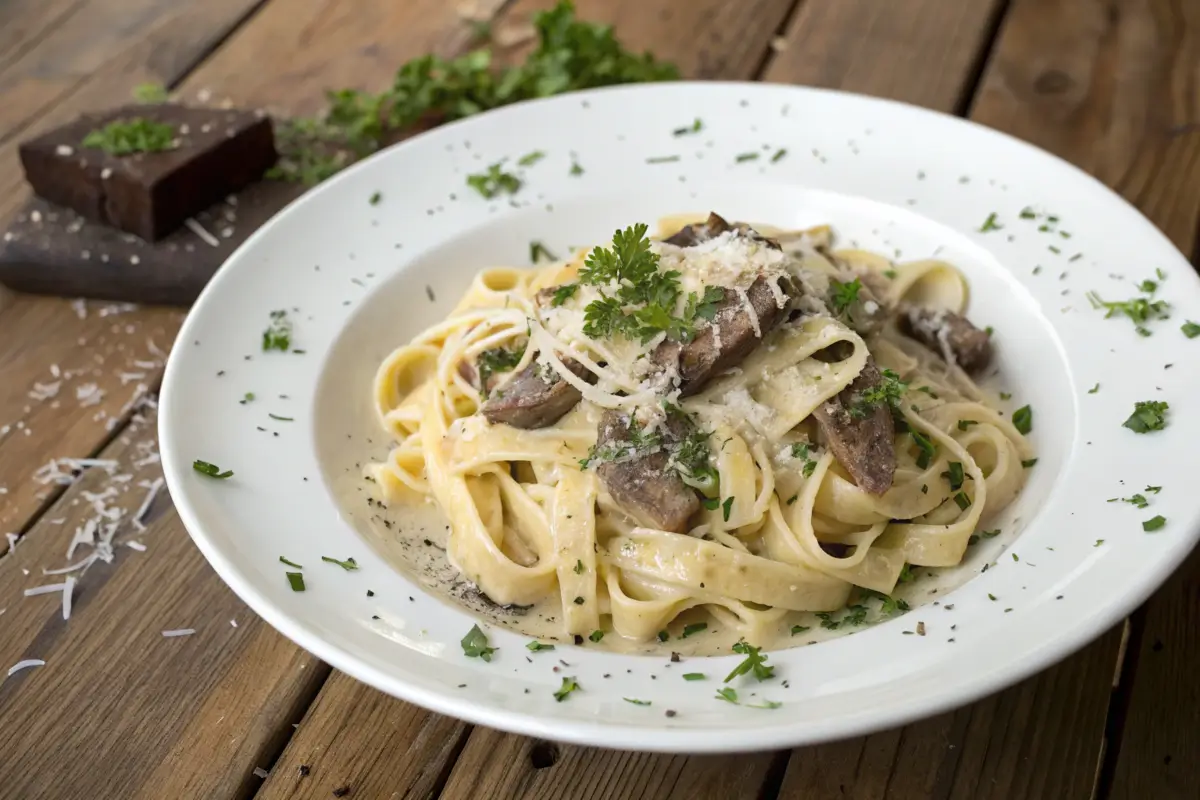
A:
(863, 443)
(645, 486)
(529, 402)
(49, 249)
(217, 152)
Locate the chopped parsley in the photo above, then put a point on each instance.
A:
(1094, 389)
(1137, 501)
(889, 391)
(494, 182)
(779, 154)
(537, 251)
(727, 508)
(663, 635)
(990, 534)
(965, 424)
(989, 224)
(496, 360)
(1153, 489)
(529, 159)
(636, 702)
(906, 574)
(843, 295)
(576, 170)
(578, 566)
(278, 335)
(211, 470)
(855, 616)
(283, 560)
(563, 293)
(694, 628)
(375, 198)
(696, 126)
(1022, 420)
(536, 647)
(800, 451)
(632, 268)
(295, 580)
(1139, 309)
(1028, 462)
(1154, 523)
(281, 419)
(954, 475)
(962, 501)
(596, 635)
(755, 663)
(694, 676)
(927, 447)
(728, 694)
(150, 93)
(475, 644)
(1148, 415)
(1190, 329)
(799, 629)
(888, 606)
(568, 685)
(662, 159)
(128, 136)
(744, 157)
(350, 565)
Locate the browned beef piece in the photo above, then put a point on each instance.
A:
(866, 313)
(644, 485)
(714, 226)
(952, 336)
(529, 401)
(214, 153)
(863, 441)
(701, 359)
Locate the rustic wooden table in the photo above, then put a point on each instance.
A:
(119, 711)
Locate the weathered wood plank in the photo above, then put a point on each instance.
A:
(498, 765)
(119, 710)
(362, 739)
(58, 59)
(1080, 78)
(925, 52)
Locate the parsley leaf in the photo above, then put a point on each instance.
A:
(954, 475)
(755, 663)
(568, 685)
(529, 159)
(989, 224)
(278, 335)
(596, 635)
(211, 470)
(563, 293)
(498, 359)
(350, 565)
(537, 251)
(636, 702)
(1148, 415)
(890, 390)
(694, 676)
(494, 182)
(1137, 501)
(843, 295)
(475, 644)
(694, 628)
(1154, 523)
(537, 647)
(927, 447)
(1190, 329)
(136, 135)
(798, 629)
(1022, 420)
(728, 694)
(696, 126)
(727, 508)
(290, 563)
(295, 580)
(1139, 309)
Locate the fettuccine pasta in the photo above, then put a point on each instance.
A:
(729, 424)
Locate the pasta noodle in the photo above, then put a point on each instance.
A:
(783, 526)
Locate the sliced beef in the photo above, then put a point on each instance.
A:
(862, 440)
(533, 401)
(714, 226)
(866, 313)
(729, 338)
(644, 484)
(950, 335)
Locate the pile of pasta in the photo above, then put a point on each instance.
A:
(529, 523)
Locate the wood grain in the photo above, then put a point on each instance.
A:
(119, 710)
(499, 765)
(925, 52)
(58, 59)
(360, 738)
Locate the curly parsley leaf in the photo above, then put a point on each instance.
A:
(843, 295)
(563, 293)
(889, 391)
(1148, 415)
(475, 644)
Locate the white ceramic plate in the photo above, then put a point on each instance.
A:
(361, 279)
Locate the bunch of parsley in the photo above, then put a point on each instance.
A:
(570, 55)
